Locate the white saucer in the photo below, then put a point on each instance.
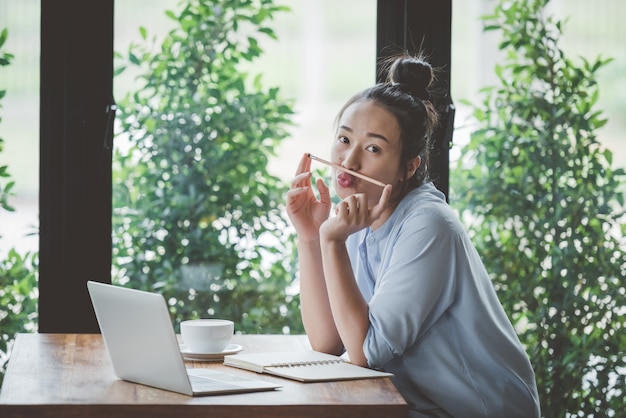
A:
(230, 349)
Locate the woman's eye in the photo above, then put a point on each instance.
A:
(373, 148)
(344, 140)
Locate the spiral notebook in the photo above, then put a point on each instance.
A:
(304, 366)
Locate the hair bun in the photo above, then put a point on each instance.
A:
(413, 75)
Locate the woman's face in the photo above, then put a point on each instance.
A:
(367, 141)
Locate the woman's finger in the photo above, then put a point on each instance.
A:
(324, 192)
(301, 180)
(304, 165)
(382, 203)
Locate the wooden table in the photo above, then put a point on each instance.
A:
(70, 375)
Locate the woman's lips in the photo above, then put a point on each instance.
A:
(345, 180)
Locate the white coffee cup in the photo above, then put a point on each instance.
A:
(206, 335)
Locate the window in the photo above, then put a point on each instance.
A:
(19, 125)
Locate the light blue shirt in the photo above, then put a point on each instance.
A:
(435, 320)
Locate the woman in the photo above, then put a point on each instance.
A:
(392, 277)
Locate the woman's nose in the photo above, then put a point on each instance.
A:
(350, 160)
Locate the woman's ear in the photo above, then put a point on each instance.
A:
(412, 166)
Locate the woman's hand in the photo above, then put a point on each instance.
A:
(353, 214)
(305, 211)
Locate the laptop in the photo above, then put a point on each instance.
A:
(141, 342)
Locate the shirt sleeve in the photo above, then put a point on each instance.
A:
(416, 285)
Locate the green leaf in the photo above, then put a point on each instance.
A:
(134, 58)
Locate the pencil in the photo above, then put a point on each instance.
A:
(354, 173)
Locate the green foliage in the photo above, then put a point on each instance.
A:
(18, 300)
(18, 277)
(6, 184)
(545, 208)
(197, 215)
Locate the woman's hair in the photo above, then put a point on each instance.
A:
(406, 94)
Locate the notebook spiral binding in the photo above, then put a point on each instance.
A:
(306, 363)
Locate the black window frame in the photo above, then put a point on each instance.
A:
(75, 189)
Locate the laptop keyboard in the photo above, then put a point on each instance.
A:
(204, 384)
